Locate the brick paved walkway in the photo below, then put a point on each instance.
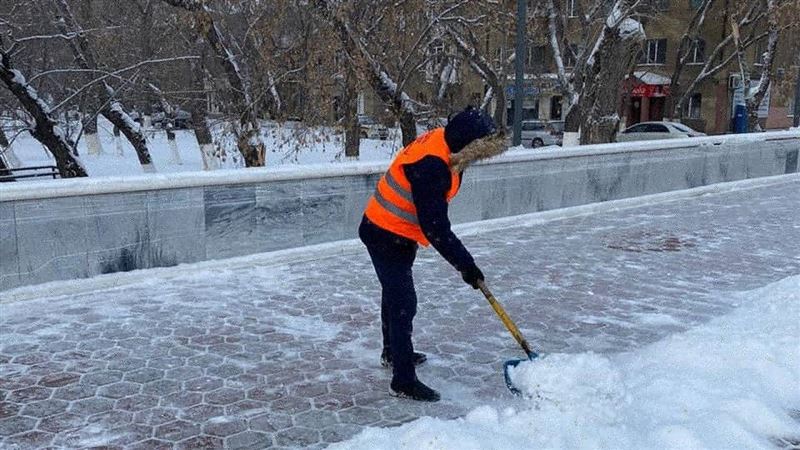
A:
(287, 356)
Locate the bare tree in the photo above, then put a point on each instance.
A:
(111, 108)
(43, 126)
(746, 30)
(606, 57)
(754, 96)
(247, 127)
(387, 46)
(463, 30)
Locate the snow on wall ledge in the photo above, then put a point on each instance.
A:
(68, 229)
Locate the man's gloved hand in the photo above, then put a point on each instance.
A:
(472, 276)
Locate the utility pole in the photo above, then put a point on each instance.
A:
(796, 119)
(519, 64)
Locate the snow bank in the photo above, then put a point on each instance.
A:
(728, 384)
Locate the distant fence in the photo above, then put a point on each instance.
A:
(21, 173)
(77, 228)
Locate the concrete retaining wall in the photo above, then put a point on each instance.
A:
(65, 229)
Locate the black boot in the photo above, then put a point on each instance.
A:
(415, 391)
(386, 358)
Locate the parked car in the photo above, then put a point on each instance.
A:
(179, 119)
(646, 131)
(182, 119)
(370, 129)
(539, 133)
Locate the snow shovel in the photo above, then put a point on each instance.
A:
(514, 332)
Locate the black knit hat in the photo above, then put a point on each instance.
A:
(466, 126)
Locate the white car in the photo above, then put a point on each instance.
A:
(646, 131)
(540, 133)
(371, 129)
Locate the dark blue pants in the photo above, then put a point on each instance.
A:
(392, 256)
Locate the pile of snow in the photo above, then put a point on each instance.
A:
(732, 383)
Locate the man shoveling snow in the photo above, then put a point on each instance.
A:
(409, 208)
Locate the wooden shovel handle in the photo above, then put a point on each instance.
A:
(501, 313)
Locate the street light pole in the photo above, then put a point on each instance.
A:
(519, 65)
(796, 119)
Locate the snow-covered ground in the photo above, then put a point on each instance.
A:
(733, 383)
(286, 145)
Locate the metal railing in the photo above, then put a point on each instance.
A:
(29, 172)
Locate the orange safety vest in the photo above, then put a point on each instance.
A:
(391, 207)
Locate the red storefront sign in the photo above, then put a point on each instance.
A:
(650, 90)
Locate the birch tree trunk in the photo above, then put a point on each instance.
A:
(613, 57)
(754, 99)
(90, 135)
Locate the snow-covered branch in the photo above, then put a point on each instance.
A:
(44, 128)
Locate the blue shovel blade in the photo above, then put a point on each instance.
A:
(514, 363)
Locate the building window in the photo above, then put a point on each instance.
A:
(570, 55)
(758, 53)
(435, 61)
(654, 52)
(697, 54)
(555, 107)
(659, 5)
(572, 8)
(535, 59)
(695, 105)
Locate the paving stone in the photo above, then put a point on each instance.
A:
(271, 422)
(119, 390)
(144, 375)
(16, 424)
(291, 405)
(30, 394)
(248, 440)
(155, 416)
(200, 443)
(297, 436)
(92, 405)
(136, 402)
(59, 379)
(129, 434)
(30, 359)
(224, 396)
(360, 416)
(161, 387)
(8, 409)
(316, 419)
(177, 430)
(31, 439)
(61, 422)
(151, 444)
(184, 373)
(166, 363)
(126, 364)
(246, 408)
(202, 413)
(44, 408)
(182, 399)
(224, 426)
(203, 384)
